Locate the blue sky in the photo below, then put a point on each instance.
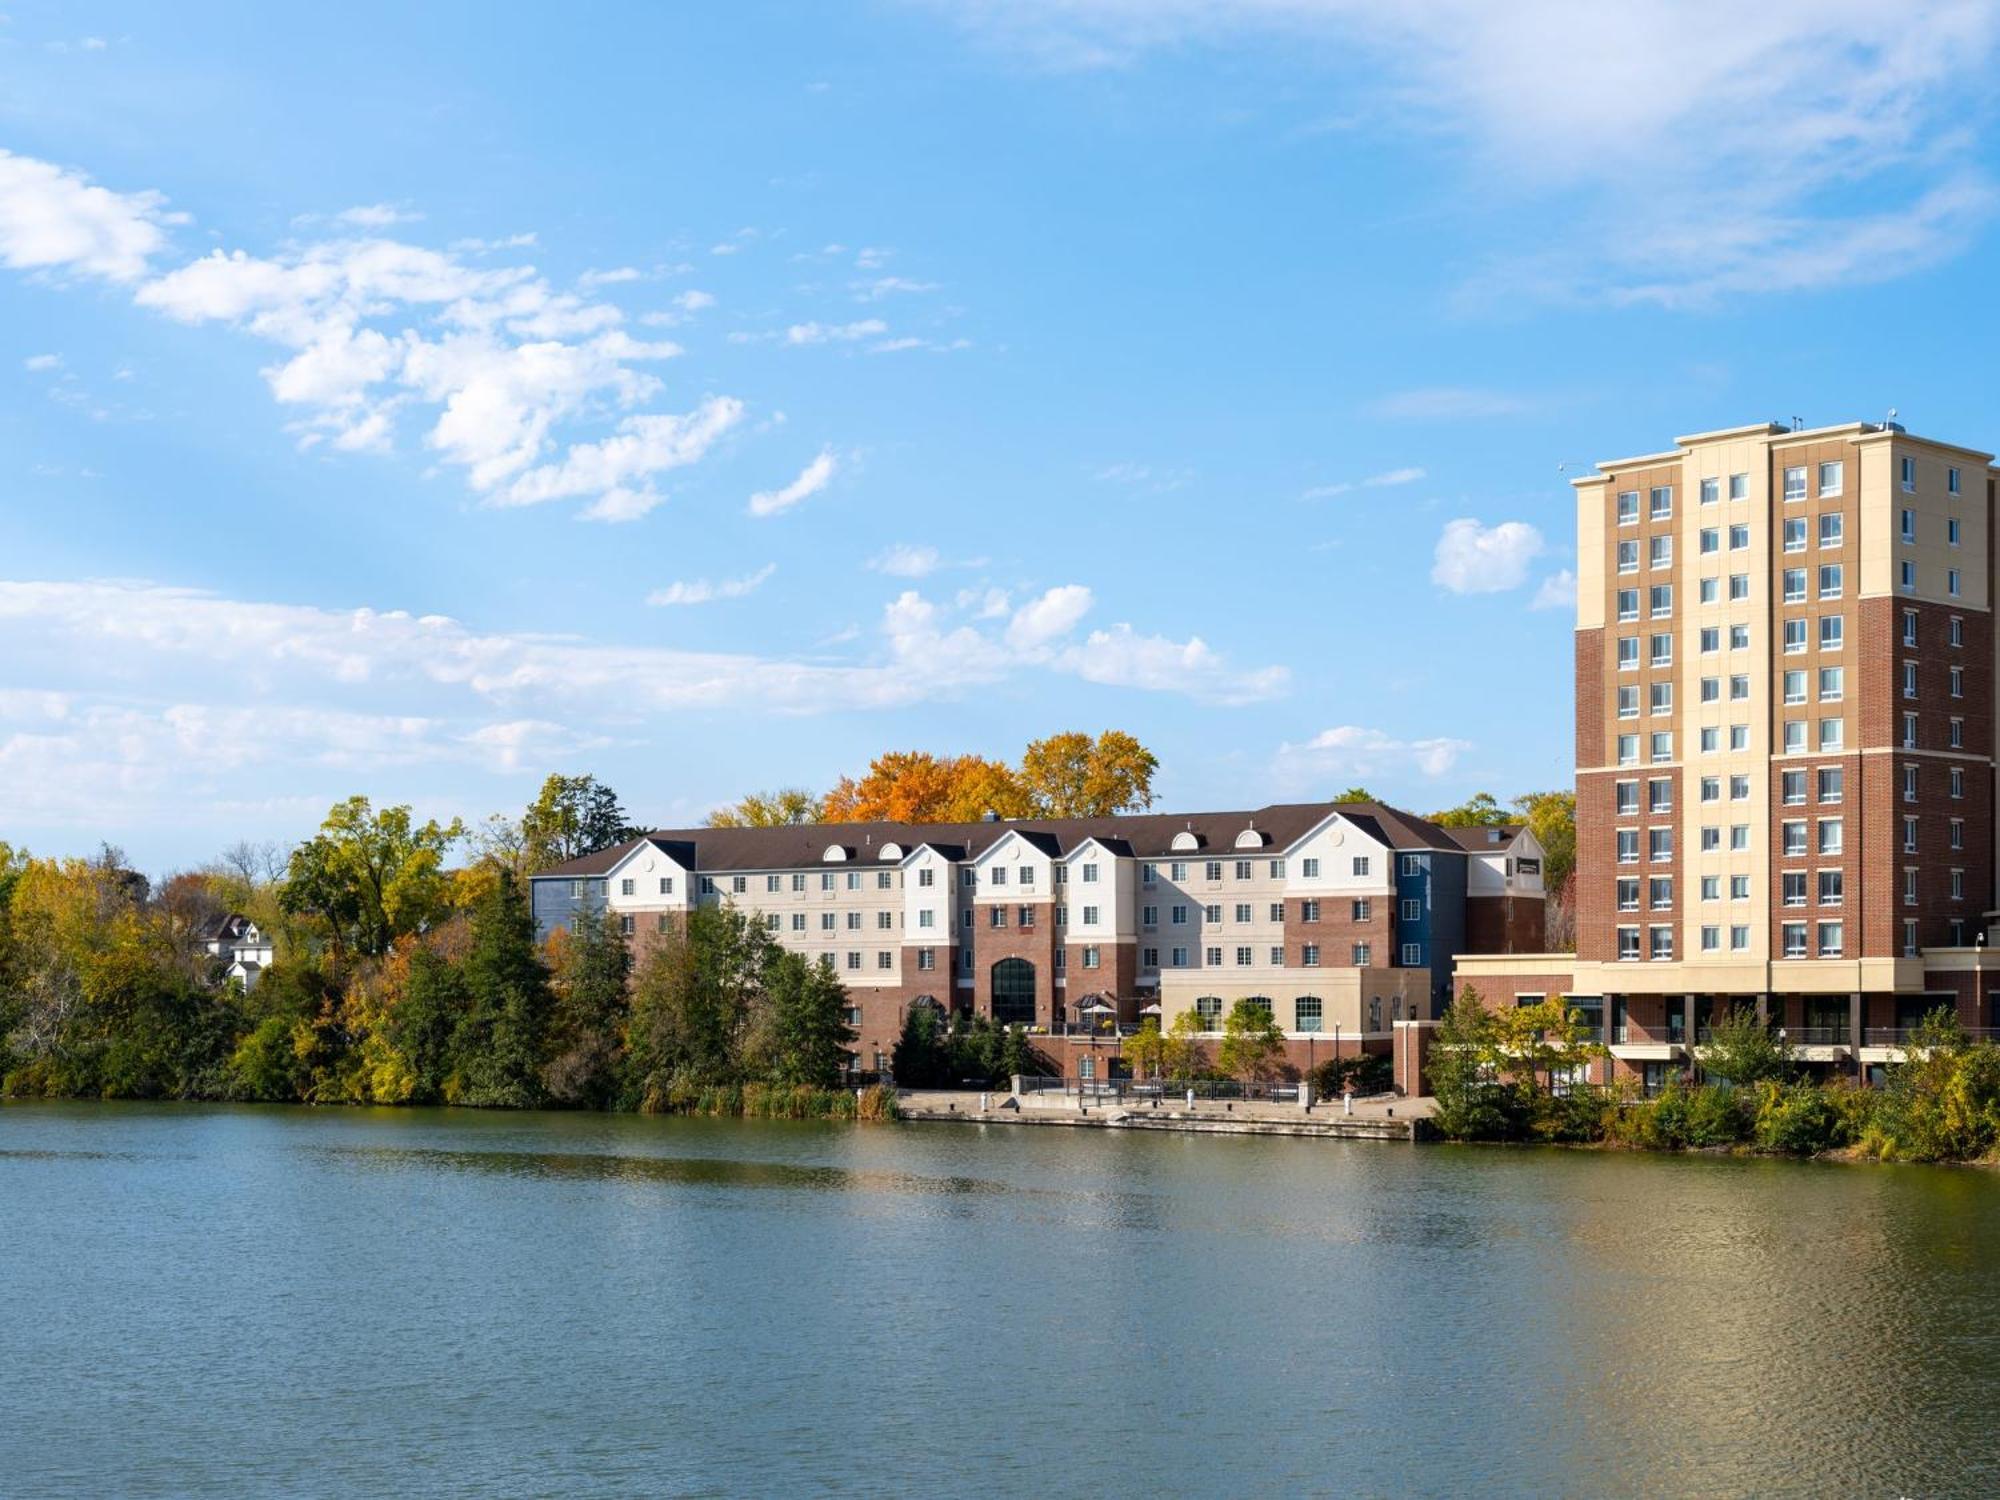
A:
(415, 400)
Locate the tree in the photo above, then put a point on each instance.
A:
(1184, 1056)
(1471, 1101)
(1252, 1045)
(499, 1043)
(367, 878)
(1357, 794)
(787, 807)
(570, 817)
(921, 1059)
(1744, 1051)
(809, 1036)
(692, 1003)
(914, 786)
(1481, 810)
(1528, 1041)
(1147, 1049)
(1073, 776)
(1551, 818)
(592, 971)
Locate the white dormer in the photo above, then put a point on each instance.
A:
(1337, 856)
(889, 850)
(1253, 837)
(836, 854)
(648, 878)
(1187, 841)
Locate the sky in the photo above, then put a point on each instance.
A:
(411, 401)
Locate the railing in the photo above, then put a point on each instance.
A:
(1106, 1032)
(1898, 1036)
(1632, 1036)
(1817, 1036)
(1093, 1090)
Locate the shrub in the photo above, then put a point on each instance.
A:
(1807, 1119)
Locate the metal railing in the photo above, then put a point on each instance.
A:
(1898, 1036)
(1162, 1090)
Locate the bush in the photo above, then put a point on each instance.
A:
(1581, 1114)
(1808, 1119)
(1681, 1119)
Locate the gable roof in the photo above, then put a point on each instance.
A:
(1142, 835)
(1480, 839)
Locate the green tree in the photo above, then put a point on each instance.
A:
(921, 1059)
(369, 877)
(1184, 1056)
(807, 1008)
(1357, 794)
(1551, 818)
(1529, 1042)
(1073, 776)
(423, 1027)
(591, 980)
(1942, 1102)
(500, 1040)
(1481, 810)
(787, 807)
(1472, 1102)
(1744, 1051)
(1252, 1047)
(570, 817)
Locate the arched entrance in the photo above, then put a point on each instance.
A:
(1014, 992)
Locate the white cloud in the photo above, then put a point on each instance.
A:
(1350, 750)
(1448, 403)
(694, 300)
(376, 216)
(616, 276)
(812, 479)
(1122, 657)
(1826, 140)
(52, 219)
(701, 591)
(1145, 476)
(1558, 591)
(1386, 480)
(906, 561)
(618, 468)
(876, 288)
(40, 362)
(1048, 617)
(835, 333)
(1476, 559)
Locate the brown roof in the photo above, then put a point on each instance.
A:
(1479, 837)
(1143, 835)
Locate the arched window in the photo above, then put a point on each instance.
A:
(1014, 992)
(1208, 1008)
(1307, 1013)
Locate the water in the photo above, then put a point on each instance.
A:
(249, 1301)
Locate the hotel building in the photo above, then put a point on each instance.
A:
(1342, 919)
(1785, 655)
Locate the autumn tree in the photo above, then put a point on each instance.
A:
(1551, 818)
(1073, 776)
(368, 877)
(1480, 810)
(570, 817)
(1183, 1055)
(787, 807)
(1147, 1049)
(914, 786)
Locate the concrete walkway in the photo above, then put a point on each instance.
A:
(1387, 1118)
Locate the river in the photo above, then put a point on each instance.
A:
(249, 1301)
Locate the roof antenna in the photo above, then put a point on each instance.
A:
(1798, 424)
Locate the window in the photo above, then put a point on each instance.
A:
(1795, 888)
(1795, 483)
(1739, 586)
(1711, 491)
(1909, 679)
(1739, 638)
(1739, 837)
(1711, 690)
(1027, 876)
(1276, 912)
(1628, 507)
(1710, 541)
(1955, 733)
(1628, 749)
(1955, 834)
(853, 960)
(1830, 835)
(628, 887)
(1830, 938)
(1908, 467)
(1739, 486)
(1212, 957)
(1951, 532)
(1149, 874)
(1739, 688)
(1177, 957)
(1663, 650)
(1660, 597)
(1628, 846)
(1662, 942)
(1739, 538)
(1951, 481)
(1660, 552)
(1832, 632)
(1830, 580)
(1795, 534)
(1832, 529)
(1792, 837)
(1628, 892)
(1710, 639)
(1795, 636)
(997, 876)
(1957, 782)
(1711, 788)
(708, 885)
(1628, 653)
(1306, 1013)
(1795, 686)
(1361, 956)
(1795, 585)
(1909, 887)
(1739, 888)
(1090, 874)
(1739, 939)
(1660, 795)
(1360, 865)
(1951, 584)
(1211, 869)
(1831, 886)
(1793, 939)
(1711, 939)
(1955, 631)
(1659, 845)
(1661, 743)
(1661, 501)
(1909, 731)
(1277, 869)
(1212, 913)
(1908, 574)
(1625, 797)
(1831, 734)
(854, 921)
(798, 921)
(1709, 739)
(1243, 958)
(1412, 911)
(1909, 783)
(1660, 892)
(1309, 955)
(1794, 787)
(1829, 478)
(1242, 912)
(1795, 736)
(1832, 684)
(1628, 943)
(996, 916)
(1660, 698)
(1310, 869)
(1090, 955)
(1413, 955)
(1909, 627)
(885, 919)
